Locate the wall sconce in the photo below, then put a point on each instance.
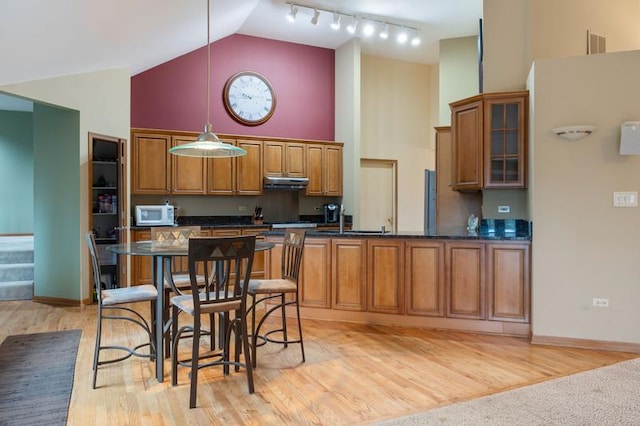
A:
(573, 133)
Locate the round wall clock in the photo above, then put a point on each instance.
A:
(249, 98)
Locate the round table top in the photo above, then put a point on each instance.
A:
(152, 248)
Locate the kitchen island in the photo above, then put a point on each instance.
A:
(449, 279)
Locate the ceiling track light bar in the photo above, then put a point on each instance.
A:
(353, 19)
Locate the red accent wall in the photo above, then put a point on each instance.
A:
(173, 95)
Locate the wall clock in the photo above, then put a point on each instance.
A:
(249, 98)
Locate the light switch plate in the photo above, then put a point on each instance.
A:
(504, 209)
(625, 199)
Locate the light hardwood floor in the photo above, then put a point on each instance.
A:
(354, 374)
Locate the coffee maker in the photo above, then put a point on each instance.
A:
(331, 212)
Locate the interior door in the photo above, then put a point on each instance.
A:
(378, 194)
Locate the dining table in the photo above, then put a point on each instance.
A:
(161, 255)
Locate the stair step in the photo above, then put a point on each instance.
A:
(16, 272)
(16, 290)
(16, 256)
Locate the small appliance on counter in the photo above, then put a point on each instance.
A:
(331, 213)
(155, 215)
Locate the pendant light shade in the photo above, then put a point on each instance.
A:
(208, 144)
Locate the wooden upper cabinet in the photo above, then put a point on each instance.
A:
(221, 174)
(151, 164)
(324, 169)
(284, 159)
(188, 174)
(249, 168)
(489, 141)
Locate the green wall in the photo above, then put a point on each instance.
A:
(16, 172)
(56, 199)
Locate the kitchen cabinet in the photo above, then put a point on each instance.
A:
(249, 168)
(284, 159)
(324, 169)
(425, 278)
(508, 282)
(142, 272)
(348, 276)
(465, 280)
(315, 274)
(259, 266)
(151, 164)
(221, 174)
(385, 276)
(188, 174)
(107, 198)
(489, 141)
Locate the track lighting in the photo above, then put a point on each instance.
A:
(369, 23)
(291, 16)
(316, 15)
(336, 21)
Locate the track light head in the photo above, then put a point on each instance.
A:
(384, 34)
(415, 41)
(336, 21)
(353, 26)
(368, 29)
(293, 11)
(316, 15)
(402, 36)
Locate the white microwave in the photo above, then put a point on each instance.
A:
(159, 215)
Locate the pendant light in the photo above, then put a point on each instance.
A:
(208, 144)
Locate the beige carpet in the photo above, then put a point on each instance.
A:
(604, 396)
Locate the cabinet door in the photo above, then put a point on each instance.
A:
(385, 276)
(425, 278)
(221, 174)
(314, 170)
(188, 174)
(508, 282)
(315, 281)
(151, 163)
(465, 280)
(332, 168)
(249, 168)
(505, 142)
(274, 158)
(258, 268)
(295, 164)
(142, 265)
(348, 278)
(467, 154)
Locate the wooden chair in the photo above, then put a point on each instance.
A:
(226, 262)
(284, 291)
(114, 304)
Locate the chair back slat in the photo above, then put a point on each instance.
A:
(292, 249)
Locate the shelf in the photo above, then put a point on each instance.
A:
(109, 162)
(104, 214)
(105, 240)
(97, 188)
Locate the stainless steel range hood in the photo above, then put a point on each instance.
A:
(285, 183)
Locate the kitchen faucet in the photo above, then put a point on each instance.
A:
(342, 218)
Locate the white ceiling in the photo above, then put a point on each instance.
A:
(49, 38)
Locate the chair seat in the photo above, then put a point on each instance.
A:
(279, 285)
(137, 293)
(185, 303)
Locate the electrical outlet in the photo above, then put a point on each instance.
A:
(504, 209)
(600, 303)
(242, 208)
(625, 199)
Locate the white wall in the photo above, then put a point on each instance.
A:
(583, 247)
(396, 125)
(103, 101)
(458, 73)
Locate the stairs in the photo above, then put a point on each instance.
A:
(16, 268)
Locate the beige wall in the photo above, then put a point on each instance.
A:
(396, 125)
(583, 247)
(458, 71)
(103, 100)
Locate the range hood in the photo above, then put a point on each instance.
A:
(285, 183)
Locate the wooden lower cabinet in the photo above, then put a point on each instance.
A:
(465, 283)
(348, 284)
(385, 276)
(508, 279)
(315, 274)
(424, 278)
(141, 271)
(258, 267)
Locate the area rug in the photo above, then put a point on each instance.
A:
(604, 396)
(36, 377)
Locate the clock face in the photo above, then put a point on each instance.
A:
(249, 98)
